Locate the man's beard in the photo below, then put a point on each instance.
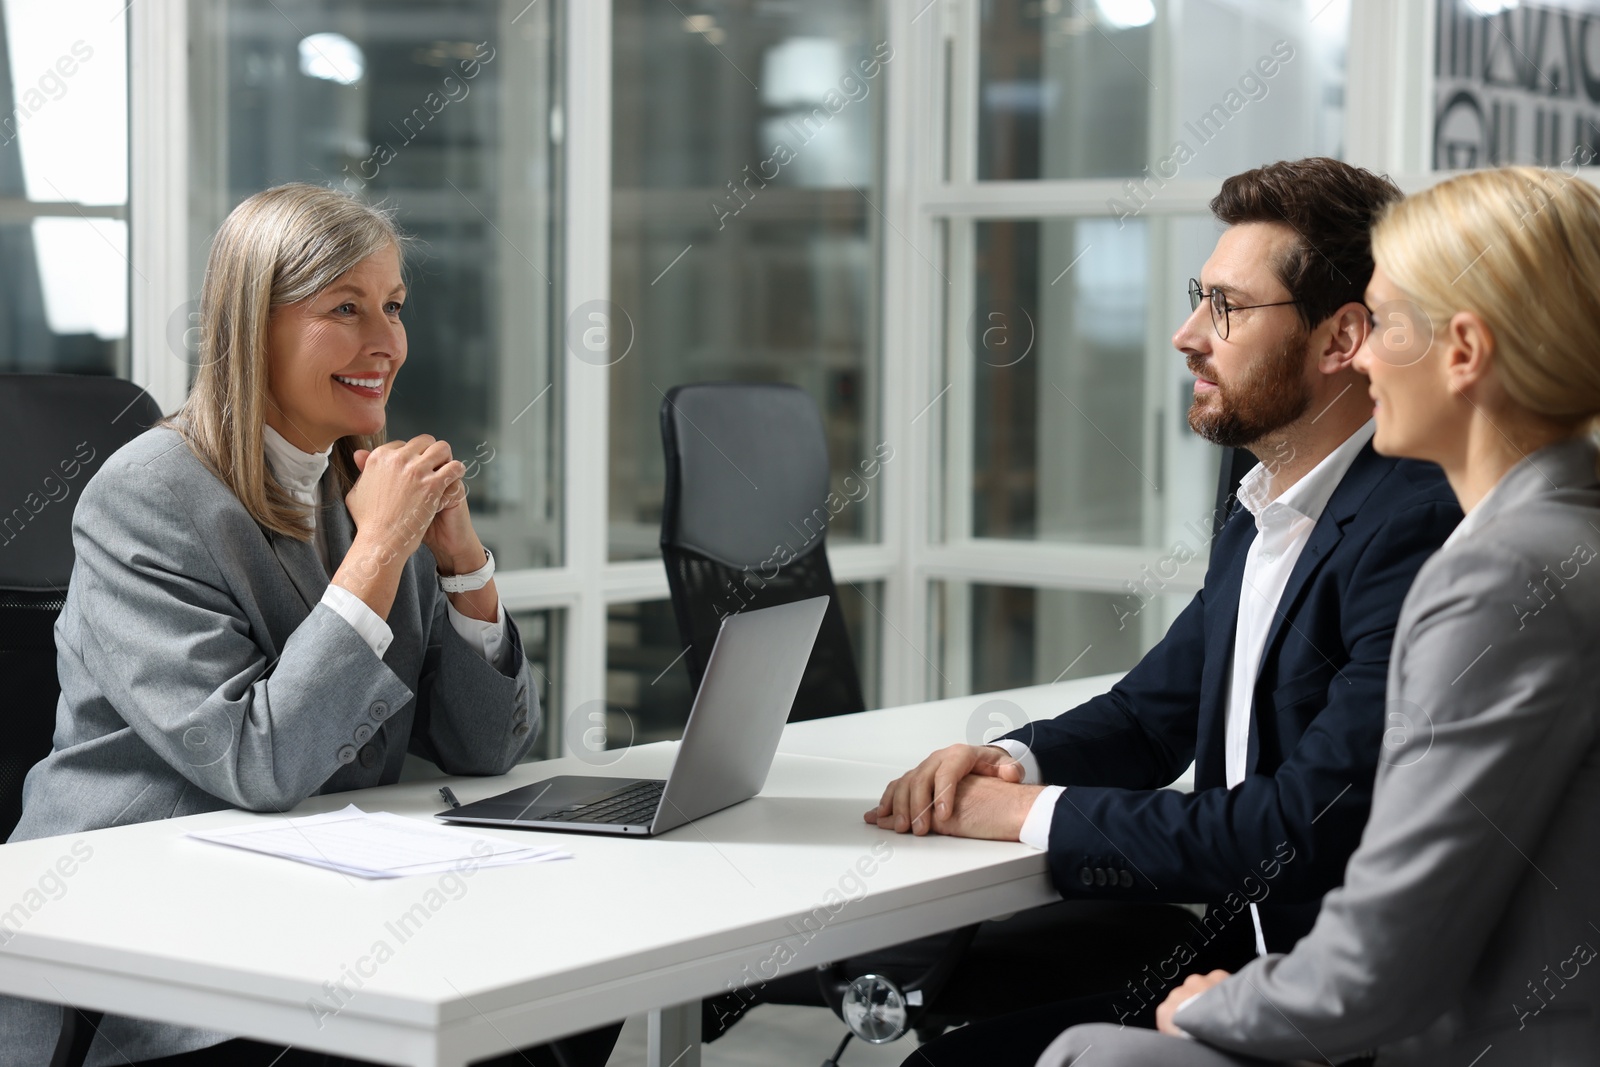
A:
(1269, 395)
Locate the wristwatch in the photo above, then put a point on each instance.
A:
(466, 583)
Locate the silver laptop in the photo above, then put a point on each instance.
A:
(727, 749)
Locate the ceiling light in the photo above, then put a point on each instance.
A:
(332, 57)
(1126, 14)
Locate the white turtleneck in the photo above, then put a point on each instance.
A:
(300, 474)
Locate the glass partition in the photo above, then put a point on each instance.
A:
(746, 212)
(988, 637)
(64, 269)
(1149, 89)
(1079, 402)
(443, 113)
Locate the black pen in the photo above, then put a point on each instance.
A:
(449, 797)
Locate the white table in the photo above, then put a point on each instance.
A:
(155, 925)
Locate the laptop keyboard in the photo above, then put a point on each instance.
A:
(635, 805)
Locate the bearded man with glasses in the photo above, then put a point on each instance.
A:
(1271, 680)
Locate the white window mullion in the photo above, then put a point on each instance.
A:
(897, 371)
(913, 409)
(1389, 82)
(158, 195)
(960, 28)
(587, 132)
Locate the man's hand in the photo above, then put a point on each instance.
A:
(988, 808)
(1192, 987)
(923, 799)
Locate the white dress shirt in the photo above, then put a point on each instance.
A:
(300, 474)
(1284, 521)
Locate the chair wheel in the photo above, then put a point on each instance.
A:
(875, 1010)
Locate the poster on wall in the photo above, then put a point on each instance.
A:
(1516, 82)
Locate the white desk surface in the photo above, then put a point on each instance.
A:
(902, 737)
(157, 925)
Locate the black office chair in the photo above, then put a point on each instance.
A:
(55, 432)
(744, 525)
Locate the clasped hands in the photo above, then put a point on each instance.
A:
(412, 493)
(963, 791)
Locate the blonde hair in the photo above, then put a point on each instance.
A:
(278, 247)
(1520, 247)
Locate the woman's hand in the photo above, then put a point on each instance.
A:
(457, 550)
(448, 532)
(393, 504)
(402, 486)
(1192, 987)
(450, 536)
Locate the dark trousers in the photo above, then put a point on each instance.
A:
(581, 1050)
(1060, 952)
(1049, 986)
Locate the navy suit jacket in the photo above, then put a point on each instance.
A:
(1282, 836)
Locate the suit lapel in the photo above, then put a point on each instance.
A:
(299, 560)
(1327, 533)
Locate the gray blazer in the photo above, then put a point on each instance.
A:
(1467, 923)
(199, 672)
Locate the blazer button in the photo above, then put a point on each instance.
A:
(380, 710)
(1099, 876)
(347, 754)
(1086, 876)
(369, 756)
(363, 733)
(520, 729)
(1125, 880)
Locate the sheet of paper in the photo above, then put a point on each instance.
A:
(376, 844)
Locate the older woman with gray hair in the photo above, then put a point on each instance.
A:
(269, 601)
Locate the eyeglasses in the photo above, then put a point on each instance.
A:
(1220, 306)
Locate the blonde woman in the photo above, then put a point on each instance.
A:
(268, 602)
(1466, 930)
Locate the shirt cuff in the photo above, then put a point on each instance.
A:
(1024, 756)
(1036, 827)
(362, 619)
(487, 637)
